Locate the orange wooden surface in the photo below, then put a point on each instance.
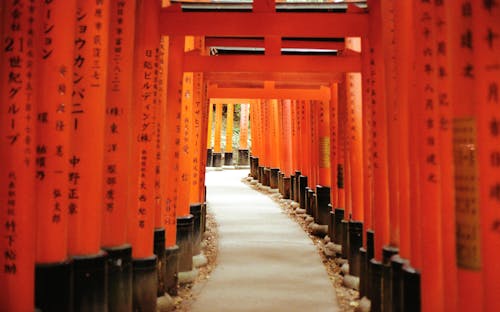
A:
(19, 155)
(467, 209)
(333, 146)
(144, 108)
(486, 29)
(52, 132)
(446, 151)
(324, 168)
(341, 147)
(379, 111)
(218, 127)
(86, 158)
(117, 140)
(314, 143)
(210, 124)
(228, 148)
(196, 138)
(244, 114)
(274, 138)
(287, 167)
(173, 112)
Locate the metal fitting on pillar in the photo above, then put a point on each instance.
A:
(387, 253)
(355, 243)
(172, 269)
(228, 158)
(145, 284)
(217, 160)
(209, 157)
(54, 286)
(322, 204)
(196, 211)
(273, 177)
(243, 157)
(185, 228)
(119, 278)
(90, 282)
(159, 251)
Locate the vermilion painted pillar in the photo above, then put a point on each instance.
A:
(53, 269)
(324, 177)
(19, 157)
(143, 207)
(217, 153)
(314, 144)
(209, 134)
(286, 149)
(117, 156)
(333, 145)
(228, 148)
(380, 165)
(195, 194)
(487, 36)
(443, 88)
(243, 150)
(274, 142)
(86, 158)
(461, 47)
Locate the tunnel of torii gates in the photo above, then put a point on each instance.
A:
(393, 141)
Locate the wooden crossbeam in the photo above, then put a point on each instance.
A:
(255, 24)
(269, 92)
(275, 63)
(259, 43)
(240, 77)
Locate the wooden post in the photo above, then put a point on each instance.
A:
(486, 33)
(217, 135)
(333, 145)
(462, 44)
(19, 156)
(243, 151)
(209, 133)
(228, 148)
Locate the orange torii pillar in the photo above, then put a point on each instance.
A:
(265, 168)
(355, 134)
(197, 145)
(17, 144)
(117, 142)
(185, 220)
(53, 275)
(286, 148)
(323, 187)
(217, 152)
(303, 158)
(379, 153)
(228, 148)
(86, 158)
(209, 134)
(256, 139)
(486, 19)
(141, 231)
(313, 158)
(295, 150)
(274, 143)
(468, 46)
(334, 203)
(243, 151)
(172, 150)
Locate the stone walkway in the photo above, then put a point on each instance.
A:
(266, 262)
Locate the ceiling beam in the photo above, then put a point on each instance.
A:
(258, 24)
(267, 92)
(266, 63)
(278, 77)
(259, 43)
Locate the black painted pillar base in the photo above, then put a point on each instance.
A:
(337, 226)
(119, 278)
(363, 272)
(331, 223)
(311, 201)
(280, 182)
(411, 290)
(260, 177)
(209, 157)
(54, 286)
(376, 285)
(203, 217)
(266, 181)
(355, 243)
(286, 187)
(397, 264)
(171, 270)
(228, 158)
(370, 253)
(256, 167)
(292, 187)
(243, 157)
(345, 239)
(307, 202)
(252, 167)
(159, 251)
(217, 160)
(322, 201)
(185, 227)
(273, 177)
(296, 194)
(145, 284)
(302, 191)
(387, 253)
(90, 282)
(196, 210)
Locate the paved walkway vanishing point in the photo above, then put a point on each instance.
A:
(266, 262)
